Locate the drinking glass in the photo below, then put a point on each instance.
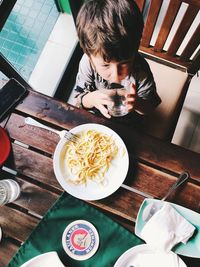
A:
(118, 95)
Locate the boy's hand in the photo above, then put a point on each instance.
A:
(131, 98)
(98, 99)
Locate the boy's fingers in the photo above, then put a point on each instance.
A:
(132, 90)
(107, 102)
(104, 111)
(130, 108)
(130, 99)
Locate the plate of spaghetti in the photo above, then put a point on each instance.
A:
(92, 166)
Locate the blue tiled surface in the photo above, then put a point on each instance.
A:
(26, 31)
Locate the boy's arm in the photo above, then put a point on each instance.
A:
(84, 81)
(85, 92)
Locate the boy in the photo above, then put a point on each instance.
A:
(109, 32)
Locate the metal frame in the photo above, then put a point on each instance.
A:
(5, 9)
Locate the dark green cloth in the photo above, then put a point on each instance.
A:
(47, 236)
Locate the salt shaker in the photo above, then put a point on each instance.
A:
(9, 191)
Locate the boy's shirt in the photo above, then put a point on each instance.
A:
(89, 80)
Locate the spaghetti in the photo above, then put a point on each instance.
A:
(90, 156)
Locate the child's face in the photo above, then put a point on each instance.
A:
(112, 71)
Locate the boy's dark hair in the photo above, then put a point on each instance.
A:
(110, 28)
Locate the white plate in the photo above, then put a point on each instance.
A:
(44, 260)
(115, 175)
(130, 257)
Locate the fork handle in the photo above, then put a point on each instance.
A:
(181, 179)
(33, 122)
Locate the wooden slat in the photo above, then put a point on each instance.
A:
(164, 58)
(192, 45)
(169, 57)
(140, 4)
(16, 224)
(192, 2)
(150, 22)
(34, 165)
(35, 199)
(121, 198)
(183, 28)
(173, 158)
(170, 15)
(33, 136)
(157, 183)
(56, 112)
(7, 251)
(153, 182)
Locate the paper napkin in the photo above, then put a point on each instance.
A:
(166, 228)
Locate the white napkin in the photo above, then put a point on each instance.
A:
(166, 228)
(158, 259)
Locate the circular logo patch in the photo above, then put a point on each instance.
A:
(80, 240)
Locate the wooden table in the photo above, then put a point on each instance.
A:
(154, 166)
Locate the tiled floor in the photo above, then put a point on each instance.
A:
(55, 56)
(26, 31)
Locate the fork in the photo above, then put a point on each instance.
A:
(152, 208)
(63, 134)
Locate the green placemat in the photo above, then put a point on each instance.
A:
(47, 236)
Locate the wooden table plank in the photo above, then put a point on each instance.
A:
(116, 202)
(56, 112)
(16, 224)
(159, 154)
(7, 251)
(157, 183)
(35, 199)
(34, 165)
(33, 136)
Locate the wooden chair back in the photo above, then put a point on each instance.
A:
(170, 41)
